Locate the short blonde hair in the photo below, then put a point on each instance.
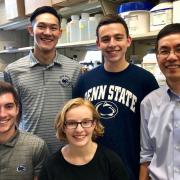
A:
(60, 119)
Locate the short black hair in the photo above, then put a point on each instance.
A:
(110, 19)
(167, 30)
(6, 87)
(45, 9)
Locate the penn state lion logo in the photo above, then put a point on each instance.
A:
(64, 81)
(21, 168)
(107, 109)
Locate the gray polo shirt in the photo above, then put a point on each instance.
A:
(43, 90)
(22, 157)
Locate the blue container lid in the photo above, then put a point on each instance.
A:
(134, 6)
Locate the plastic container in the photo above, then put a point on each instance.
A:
(83, 27)
(161, 15)
(63, 38)
(98, 17)
(149, 61)
(150, 64)
(176, 11)
(136, 15)
(68, 32)
(92, 24)
(74, 28)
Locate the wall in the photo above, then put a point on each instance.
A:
(12, 39)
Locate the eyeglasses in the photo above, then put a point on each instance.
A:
(74, 124)
(164, 53)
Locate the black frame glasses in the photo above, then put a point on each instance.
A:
(74, 124)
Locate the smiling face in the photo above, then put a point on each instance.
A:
(46, 32)
(8, 115)
(170, 65)
(79, 137)
(113, 42)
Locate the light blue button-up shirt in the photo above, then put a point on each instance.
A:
(160, 134)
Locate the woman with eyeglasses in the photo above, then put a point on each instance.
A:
(81, 158)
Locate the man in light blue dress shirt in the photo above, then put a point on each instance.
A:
(160, 113)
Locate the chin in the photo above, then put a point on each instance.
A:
(80, 143)
(47, 48)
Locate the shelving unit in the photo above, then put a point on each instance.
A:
(10, 51)
(15, 25)
(149, 35)
(91, 6)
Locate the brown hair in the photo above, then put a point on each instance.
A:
(111, 19)
(6, 87)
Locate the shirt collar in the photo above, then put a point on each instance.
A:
(12, 141)
(34, 61)
(172, 95)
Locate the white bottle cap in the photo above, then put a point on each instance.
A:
(63, 21)
(84, 16)
(75, 17)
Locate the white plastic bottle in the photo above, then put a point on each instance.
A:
(74, 28)
(92, 24)
(63, 38)
(98, 17)
(68, 32)
(83, 26)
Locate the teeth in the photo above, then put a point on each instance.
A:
(111, 51)
(46, 39)
(173, 66)
(3, 122)
(79, 137)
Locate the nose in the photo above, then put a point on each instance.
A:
(112, 42)
(47, 31)
(2, 112)
(172, 56)
(79, 127)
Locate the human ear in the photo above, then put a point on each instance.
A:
(30, 30)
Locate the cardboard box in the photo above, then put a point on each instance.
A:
(31, 5)
(108, 7)
(3, 19)
(63, 3)
(14, 9)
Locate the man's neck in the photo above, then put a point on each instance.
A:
(115, 67)
(45, 57)
(174, 86)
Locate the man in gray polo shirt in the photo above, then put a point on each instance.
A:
(21, 154)
(44, 79)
